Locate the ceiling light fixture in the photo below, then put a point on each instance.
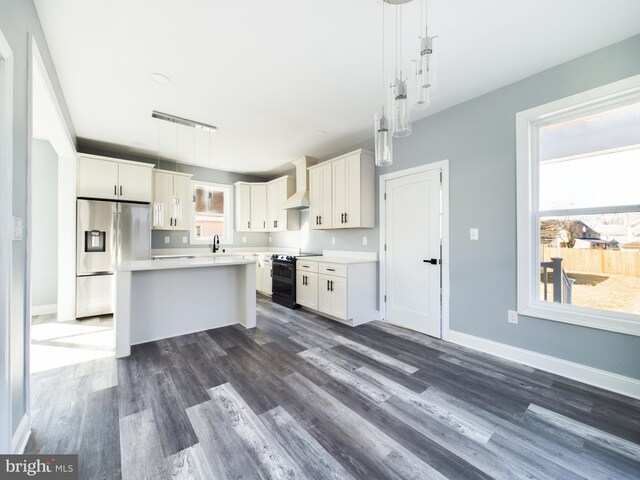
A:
(183, 121)
(159, 78)
(424, 75)
(320, 133)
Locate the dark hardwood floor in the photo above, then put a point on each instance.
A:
(304, 397)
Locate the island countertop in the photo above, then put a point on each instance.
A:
(173, 263)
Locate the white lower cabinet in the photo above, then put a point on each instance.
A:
(266, 282)
(345, 292)
(307, 290)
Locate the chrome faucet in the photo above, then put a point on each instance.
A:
(216, 243)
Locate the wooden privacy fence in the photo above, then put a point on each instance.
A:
(612, 262)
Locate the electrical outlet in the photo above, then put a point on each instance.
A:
(167, 240)
(269, 238)
(364, 240)
(244, 239)
(333, 240)
(512, 317)
(184, 239)
(473, 234)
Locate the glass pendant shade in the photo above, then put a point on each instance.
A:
(420, 89)
(383, 141)
(401, 109)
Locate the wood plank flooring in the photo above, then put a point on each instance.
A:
(304, 397)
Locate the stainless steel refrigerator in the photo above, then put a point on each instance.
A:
(107, 233)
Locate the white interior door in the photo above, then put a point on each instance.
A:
(412, 237)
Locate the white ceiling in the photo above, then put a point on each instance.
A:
(270, 73)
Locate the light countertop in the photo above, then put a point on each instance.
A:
(337, 259)
(174, 263)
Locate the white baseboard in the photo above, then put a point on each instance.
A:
(21, 437)
(599, 378)
(44, 309)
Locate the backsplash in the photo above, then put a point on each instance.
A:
(176, 240)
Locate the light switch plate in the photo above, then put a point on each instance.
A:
(473, 234)
(167, 240)
(512, 317)
(17, 228)
(364, 240)
(269, 238)
(244, 239)
(333, 240)
(184, 239)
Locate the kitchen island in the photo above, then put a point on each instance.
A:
(158, 299)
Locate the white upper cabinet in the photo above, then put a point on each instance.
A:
(342, 192)
(243, 207)
(113, 179)
(172, 200)
(320, 197)
(135, 183)
(259, 206)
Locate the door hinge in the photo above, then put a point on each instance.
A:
(385, 299)
(385, 247)
(440, 177)
(385, 196)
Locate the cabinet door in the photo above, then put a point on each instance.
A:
(182, 197)
(162, 195)
(326, 215)
(266, 279)
(97, 178)
(134, 183)
(258, 208)
(301, 289)
(282, 217)
(315, 198)
(339, 186)
(311, 288)
(273, 205)
(324, 294)
(243, 207)
(352, 185)
(338, 287)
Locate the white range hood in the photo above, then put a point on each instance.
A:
(300, 199)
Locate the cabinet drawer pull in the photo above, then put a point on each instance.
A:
(304, 266)
(331, 269)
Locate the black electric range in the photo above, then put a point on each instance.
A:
(284, 278)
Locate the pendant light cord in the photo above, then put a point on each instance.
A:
(384, 87)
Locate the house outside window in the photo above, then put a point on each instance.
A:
(579, 209)
(211, 213)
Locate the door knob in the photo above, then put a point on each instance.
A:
(432, 261)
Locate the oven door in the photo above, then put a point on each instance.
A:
(283, 280)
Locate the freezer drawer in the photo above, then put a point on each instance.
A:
(94, 295)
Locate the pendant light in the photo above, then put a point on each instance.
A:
(158, 207)
(424, 75)
(400, 108)
(382, 134)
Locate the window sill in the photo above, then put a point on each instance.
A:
(618, 322)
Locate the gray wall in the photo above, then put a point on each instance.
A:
(199, 173)
(478, 137)
(18, 18)
(44, 230)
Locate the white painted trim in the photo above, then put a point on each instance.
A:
(443, 166)
(21, 437)
(599, 378)
(44, 309)
(527, 125)
(6, 237)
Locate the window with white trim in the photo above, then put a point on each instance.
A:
(579, 209)
(211, 212)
